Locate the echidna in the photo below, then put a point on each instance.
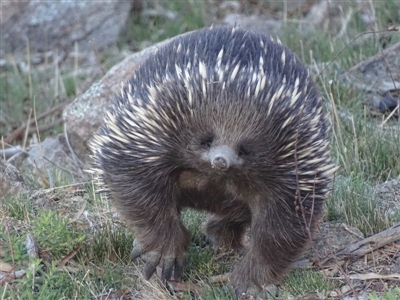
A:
(227, 121)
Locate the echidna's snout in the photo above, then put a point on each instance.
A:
(222, 157)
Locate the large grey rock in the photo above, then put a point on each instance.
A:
(85, 114)
(57, 25)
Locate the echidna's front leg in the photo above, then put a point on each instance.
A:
(162, 248)
(160, 237)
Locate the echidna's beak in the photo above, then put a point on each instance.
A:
(222, 157)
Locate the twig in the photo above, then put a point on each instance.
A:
(352, 41)
(27, 129)
(372, 243)
(20, 130)
(78, 162)
(45, 127)
(223, 278)
(369, 276)
(344, 25)
(7, 153)
(59, 167)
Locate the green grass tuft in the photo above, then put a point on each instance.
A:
(354, 203)
(187, 16)
(109, 243)
(393, 294)
(301, 282)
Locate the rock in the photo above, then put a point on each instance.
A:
(379, 73)
(378, 76)
(85, 114)
(384, 103)
(388, 197)
(260, 24)
(395, 267)
(51, 154)
(9, 152)
(53, 27)
(291, 6)
(334, 236)
(11, 181)
(226, 7)
(325, 15)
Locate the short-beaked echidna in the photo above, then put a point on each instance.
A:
(222, 120)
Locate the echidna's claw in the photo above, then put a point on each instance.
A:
(171, 265)
(168, 267)
(136, 250)
(179, 267)
(152, 260)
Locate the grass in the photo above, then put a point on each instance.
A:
(170, 19)
(354, 203)
(58, 237)
(301, 282)
(24, 92)
(393, 294)
(84, 250)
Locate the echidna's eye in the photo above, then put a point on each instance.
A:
(243, 151)
(206, 142)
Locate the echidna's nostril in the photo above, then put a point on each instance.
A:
(220, 162)
(222, 157)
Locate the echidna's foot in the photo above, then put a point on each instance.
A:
(208, 240)
(219, 247)
(257, 273)
(172, 264)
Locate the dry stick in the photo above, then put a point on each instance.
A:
(392, 113)
(285, 12)
(345, 23)
(45, 127)
(20, 130)
(97, 57)
(48, 190)
(78, 162)
(58, 166)
(394, 85)
(35, 118)
(352, 41)
(10, 244)
(220, 278)
(27, 129)
(2, 147)
(76, 68)
(9, 152)
(372, 243)
(373, 20)
(28, 58)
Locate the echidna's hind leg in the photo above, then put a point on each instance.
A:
(227, 232)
